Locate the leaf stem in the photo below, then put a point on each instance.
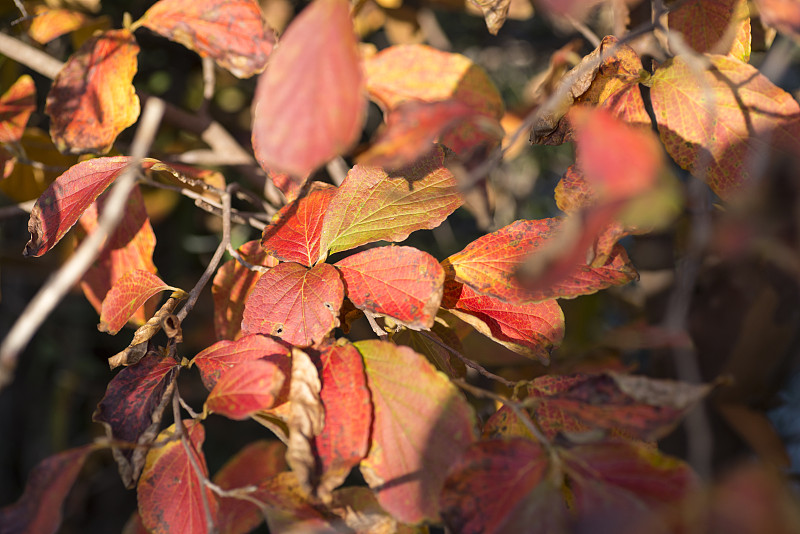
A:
(469, 363)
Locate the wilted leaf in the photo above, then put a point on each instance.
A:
(231, 32)
(92, 98)
(784, 15)
(170, 492)
(495, 12)
(421, 425)
(719, 124)
(401, 282)
(126, 296)
(360, 511)
(16, 106)
(220, 357)
(246, 388)
(295, 231)
(38, 510)
(47, 24)
(309, 105)
(131, 410)
(372, 205)
(231, 286)
(706, 26)
(294, 303)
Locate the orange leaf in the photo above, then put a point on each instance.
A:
(47, 24)
(220, 357)
(245, 389)
(92, 98)
(309, 104)
(16, 106)
(126, 296)
(232, 32)
(295, 303)
(783, 15)
(704, 24)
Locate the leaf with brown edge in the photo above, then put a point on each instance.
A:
(419, 72)
(255, 463)
(289, 509)
(360, 511)
(421, 425)
(721, 126)
(170, 492)
(403, 283)
(231, 32)
(214, 361)
(783, 15)
(132, 407)
(532, 330)
(16, 106)
(294, 303)
(309, 105)
(231, 286)
(495, 12)
(706, 26)
(62, 204)
(48, 24)
(130, 247)
(295, 230)
(248, 387)
(126, 296)
(92, 98)
(372, 205)
(38, 510)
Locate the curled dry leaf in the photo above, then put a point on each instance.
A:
(92, 98)
(495, 12)
(138, 346)
(126, 296)
(16, 106)
(306, 419)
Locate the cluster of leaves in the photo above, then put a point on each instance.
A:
(566, 450)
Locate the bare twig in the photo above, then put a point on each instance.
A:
(469, 363)
(188, 408)
(29, 56)
(584, 30)
(67, 276)
(209, 81)
(246, 264)
(337, 170)
(380, 332)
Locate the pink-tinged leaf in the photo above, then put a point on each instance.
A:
(47, 24)
(38, 510)
(295, 231)
(421, 425)
(783, 15)
(220, 357)
(62, 204)
(245, 389)
(372, 205)
(721, 126)
(254, 464)
(418, 72)
(92, 98)
(231, 286)
(170, 492)
(290, 186)
(309, 104)
(705, 25)
(130, 247)
(532, 330)
(344, 439)
(294, 303)
(132, 407)
(126, 296)
(401, 282)
(231, 32)
(16, 106)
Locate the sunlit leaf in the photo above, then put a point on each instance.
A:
(220, 357)
(126, 296)
(784, 15)
(289, 507)
(232, 32)
(245, 389)
(47, 24)
(294, 303)
(422, 424)
(401, 282)
(705, 24)
(92, 98)
(131, 409)
(16, 106)
(372, 205)
(309, 104)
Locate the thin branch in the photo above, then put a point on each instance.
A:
(380, 332)
(469, 363)
(337, 170)
(584, 30)
(68, 275)
(238, 257)
(185, 405)
(209, 81)
(31, 57)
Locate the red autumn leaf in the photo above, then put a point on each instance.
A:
(245, 389)
(784, 15)
(62, 204)
(421, 425)
(126, 296)
(92, 98)
(257, 462)
(130, 247)
(372, 205)
(577, 9)
(295, 303)
(290, 186)
(220, 357)
(231, 286)
(38, 510)
(47, 24)
(532, 330)
(16, 106)
(170, 492)
(720, 126)
(344, 439)
(295, 231)
(131, 409)
(309, 104)
(401, 282)
(704, 25)
(231, 32)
